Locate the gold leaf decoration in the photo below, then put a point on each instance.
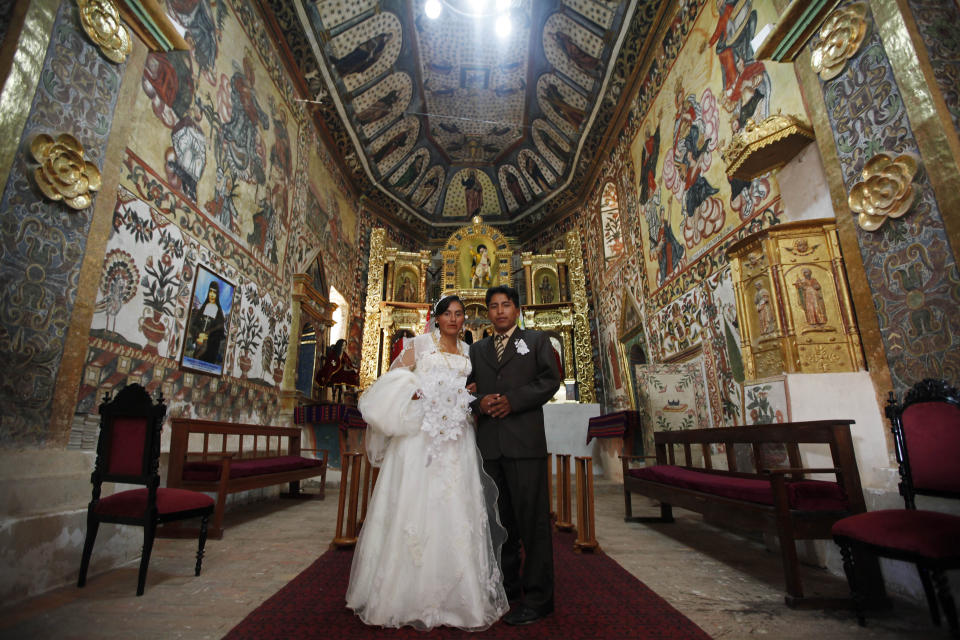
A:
(840, 39)
(885, 189)
(761, 147)
(63, 173)
(101, 21)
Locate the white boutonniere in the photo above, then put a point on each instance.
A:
(521, 346)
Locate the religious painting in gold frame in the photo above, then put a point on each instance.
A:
(406, 285)
(475, 257)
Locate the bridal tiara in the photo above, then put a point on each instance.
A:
(437, 303)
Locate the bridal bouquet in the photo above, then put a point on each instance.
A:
(446, 407)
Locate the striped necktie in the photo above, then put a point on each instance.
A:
(500, 342)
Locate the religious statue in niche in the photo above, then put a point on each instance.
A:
(546, 291)
(481, 269)
(406, 292)
(761, 299)
(810, 294)
(472, 193)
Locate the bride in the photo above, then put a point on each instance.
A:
(429, 551)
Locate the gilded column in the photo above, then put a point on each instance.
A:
(568, 353)
(527, 259)
(386, 323)
(581, 327)
(371, 320)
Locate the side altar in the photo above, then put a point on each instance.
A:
(473, 258)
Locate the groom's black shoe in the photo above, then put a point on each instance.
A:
(514, 594)
(524, 614)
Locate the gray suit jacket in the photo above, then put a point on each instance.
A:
(528, 380)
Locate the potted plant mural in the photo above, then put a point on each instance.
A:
(248, 339)
(160, 284)
(280, 346)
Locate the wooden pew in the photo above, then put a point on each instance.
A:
(780, 501)
(238, 457)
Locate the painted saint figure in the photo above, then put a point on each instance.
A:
(536, 175)
(206, 327)
(664, 246)
(364, 56)
(406, 292)
(472, 193)
(587, 63)
(648, 164)
(516, 189)
(761, 299)
(811, 298)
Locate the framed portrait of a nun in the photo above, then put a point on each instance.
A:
(208, 323)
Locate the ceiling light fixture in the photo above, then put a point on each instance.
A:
(504, 25)
(433, 8)
(501, 9)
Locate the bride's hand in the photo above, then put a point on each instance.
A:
(472, 387)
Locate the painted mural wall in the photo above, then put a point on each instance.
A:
(224, 175)
(663, 211)
(678, 212)
(226, 190)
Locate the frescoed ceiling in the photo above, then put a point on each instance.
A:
(441, 119)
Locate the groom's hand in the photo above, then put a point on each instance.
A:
(499, 407)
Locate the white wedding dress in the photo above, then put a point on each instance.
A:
(428, 553)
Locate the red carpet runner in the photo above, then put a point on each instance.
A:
(596, 599)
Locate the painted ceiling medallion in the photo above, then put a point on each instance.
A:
(63, 173)
(762, 147)
(101, 21)
(885, 190)
(840, 38)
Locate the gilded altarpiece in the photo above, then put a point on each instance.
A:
(793, 301)
(475, 257)
(396, 306)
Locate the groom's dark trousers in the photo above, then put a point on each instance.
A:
(514, 450)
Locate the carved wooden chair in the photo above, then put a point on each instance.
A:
(128, 452)
(926, 434)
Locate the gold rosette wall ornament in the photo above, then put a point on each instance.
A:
(886, 189)
(63, 173)
(840, 38)
(101, 21)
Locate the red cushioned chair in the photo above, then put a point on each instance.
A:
(926, 434)
(128, 451)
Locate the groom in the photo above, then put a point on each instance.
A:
(516, 373)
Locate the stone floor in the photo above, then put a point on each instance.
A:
(728, 585)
